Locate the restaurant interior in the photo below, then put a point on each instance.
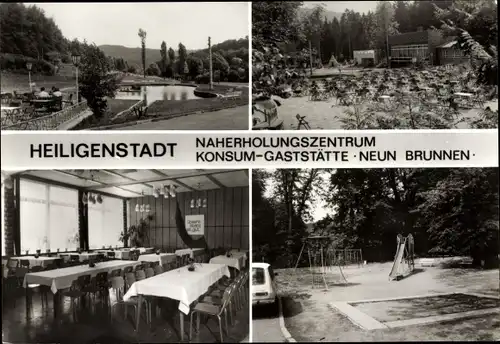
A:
(125, 256)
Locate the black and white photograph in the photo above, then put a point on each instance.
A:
(126, 66)
(125, 256)
(362, 255)
(374, 65)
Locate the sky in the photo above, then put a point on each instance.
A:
(341, 6)
(119, 23)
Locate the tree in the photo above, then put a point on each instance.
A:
(282, 28)
(96, 83)
(312, 26)
(386, 25)
(153, 69)
(482, 47)
(171, 62)
(195, 66)
(220, 64)
(164, 59)
(182, 58)
(142, 35)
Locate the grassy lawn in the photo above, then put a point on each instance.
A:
(163, 109)
(20, 82)
(310, 317)
(118, 105)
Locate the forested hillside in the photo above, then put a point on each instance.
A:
(28, 35)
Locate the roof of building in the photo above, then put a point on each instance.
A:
(417, 37)
(364, 51)
(448, 45)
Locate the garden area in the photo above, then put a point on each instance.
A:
(437, 98)
(305, 62)
(345, 291)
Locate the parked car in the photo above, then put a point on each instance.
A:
(265, 114)
(264, 288)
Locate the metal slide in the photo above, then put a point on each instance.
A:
(398, 260)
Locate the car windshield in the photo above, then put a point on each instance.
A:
(258, 276)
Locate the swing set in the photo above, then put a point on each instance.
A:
(324, 259)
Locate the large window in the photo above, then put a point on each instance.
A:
(105, 223)
(49, 217)
(420, 51)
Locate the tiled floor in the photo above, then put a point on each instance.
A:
(96, 326)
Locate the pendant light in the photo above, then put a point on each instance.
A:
(198, 202)
(85, 198)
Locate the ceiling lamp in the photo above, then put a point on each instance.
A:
(156, 192)
(137, 207)
(99, 199)
(141, 209)
(85, 198)
(162, 190)
(173, 190)
(147, 209)
(198, 202)
(92, 199)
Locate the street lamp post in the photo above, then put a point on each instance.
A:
(210, 62)
(76, 61)
(28, 66)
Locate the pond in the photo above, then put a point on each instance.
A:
(154, 93)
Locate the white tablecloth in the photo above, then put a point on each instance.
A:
(82, 257)
(191, 251)
(163, 258)
(241, 253)
(40, 261)
(63, 278)
(144, 249)
(235, 261)
(119, 254)
(180, 284)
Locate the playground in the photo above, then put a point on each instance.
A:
(407, 299)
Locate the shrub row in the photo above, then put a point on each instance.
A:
(15, 62)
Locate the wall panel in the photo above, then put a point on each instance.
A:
(226, 218)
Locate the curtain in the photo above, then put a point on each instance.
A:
(105, 223)
(48, 217)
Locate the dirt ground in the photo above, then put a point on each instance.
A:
(322, 114)
(309, 316)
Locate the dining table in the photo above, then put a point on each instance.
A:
(82, 257)
(63, 278)
(162, 258)
(234, 260)
(119, 254)
(192, 252)
(42, 261)
(179, 284)
(143, 249)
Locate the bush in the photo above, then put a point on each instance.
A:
(15, 62)
(233, 76)
(203, 78)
